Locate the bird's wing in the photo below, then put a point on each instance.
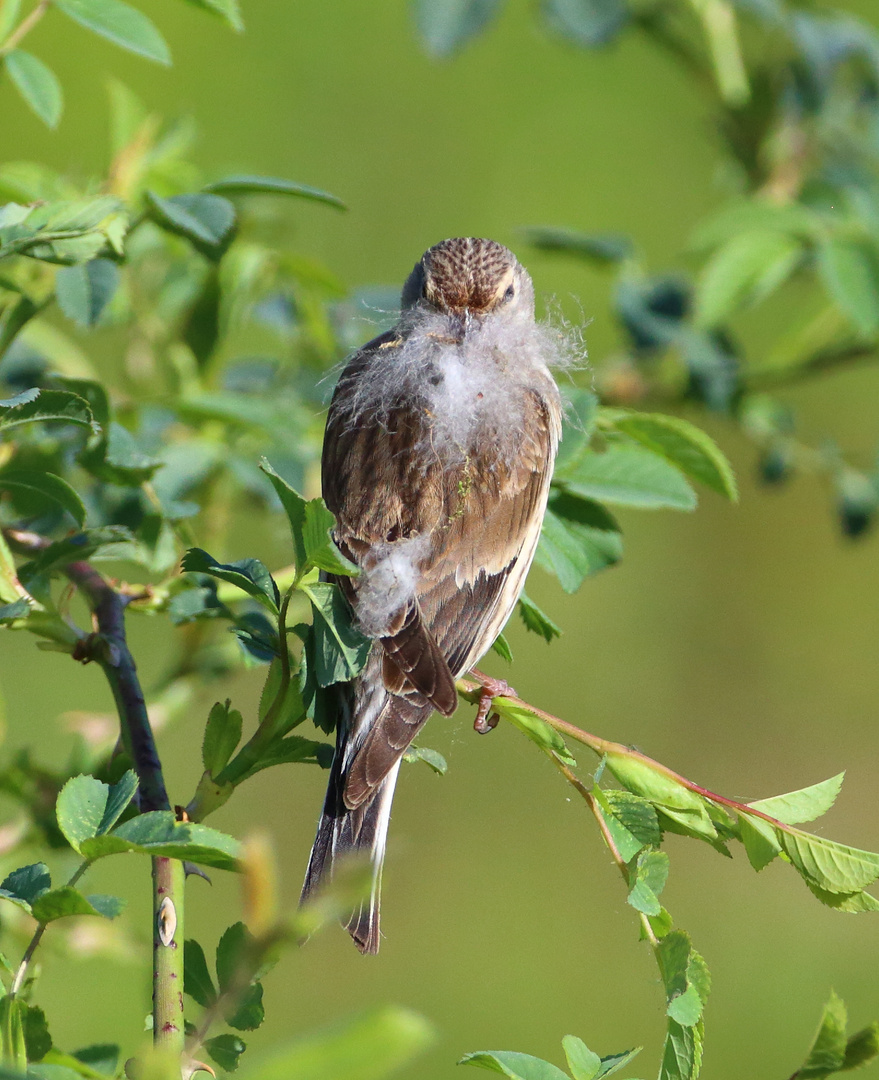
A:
(481, 522)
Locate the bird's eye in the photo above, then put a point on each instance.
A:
(509, 294)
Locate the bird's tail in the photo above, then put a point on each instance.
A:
(342, 831)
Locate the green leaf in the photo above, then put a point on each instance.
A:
(631, 821)
(629, 475)
(120, 23)
(249, 1013)
(272, 185)
(25, 885)
(803, 805)
(744, 271)
(18, 609)
(515, 1066)
(535, 620)
(501, 646)
(197, 980)
(589, 23)
(49, 486)
(45, 405)
(80, 545)
(207, 221)
(849, 269)
(118, 459)
(432, 758)
(9, 13)
(294, 749)
(537, 730)
(760, 840)
(651, 874)
(102, 1057)
(66, 901)
(578, 538)
(84, 291)
(601, 248)
(614, 1062)
(221, 736)
(681, 1053)
(37, 84)
(828, 1050)
(37, 1040)
(444, 26)
(853, 903)
(230, 12)
(830, 866)
(250, 575)
(643, 778)
(582, 1063)
(340, 650)
(320, 550)
(366, 1047)
(225, 1050)
(294, 507)
(158, 833)
(232, 950)
(757, 215)
(862, 1047)
(87, 807)
(13, 1051)
(682, 444)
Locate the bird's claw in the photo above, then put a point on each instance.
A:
(486, 720)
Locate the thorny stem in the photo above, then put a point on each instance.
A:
(18, 981)
(108, 647)
(25, 27)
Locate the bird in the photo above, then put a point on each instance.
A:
(437, 460)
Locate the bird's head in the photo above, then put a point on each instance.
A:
(469, 278)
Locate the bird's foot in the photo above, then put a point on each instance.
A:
(491, 688)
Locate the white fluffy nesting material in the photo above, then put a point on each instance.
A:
(466, 391)
(387, 583)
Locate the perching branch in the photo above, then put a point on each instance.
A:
(108, 647)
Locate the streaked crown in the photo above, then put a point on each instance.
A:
(464, 273)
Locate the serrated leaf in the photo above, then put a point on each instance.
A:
(537, 730)
(588, 23)
(222, 735)
(67, 901)
(578, 538)
(602, 248)
(37, 1040)
(26, 884)
(536, 620)
(501, 646)
(862, 1047)
(49, 486)
(320, 550)
(681, 1052)
(513, 1065)
(849, 269)
(627, 474)
(431, 758)
(583, 1064)
(340, 650)
(828, 865)
(43, 406)
(272, 185)
(37, 84)
(853, 903)
(120, 23)
(744, 271)
(651, 874)
(80, 545)
(207, 221)
(88, 807)
(828, 1050)
(197, 981)
(250, 575)
(225, 1050)
(84, 291)
(614, 1062)
(760, 840)
(803, 805)
(158, 833)
(444, 26)
(682, 444)
(232, 950)
(294, 507)
(249, 1012)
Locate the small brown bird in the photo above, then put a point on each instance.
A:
(437, 460)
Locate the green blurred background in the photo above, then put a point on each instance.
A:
(736, 644)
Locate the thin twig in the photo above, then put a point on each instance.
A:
(18, 981)
(25, 26)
